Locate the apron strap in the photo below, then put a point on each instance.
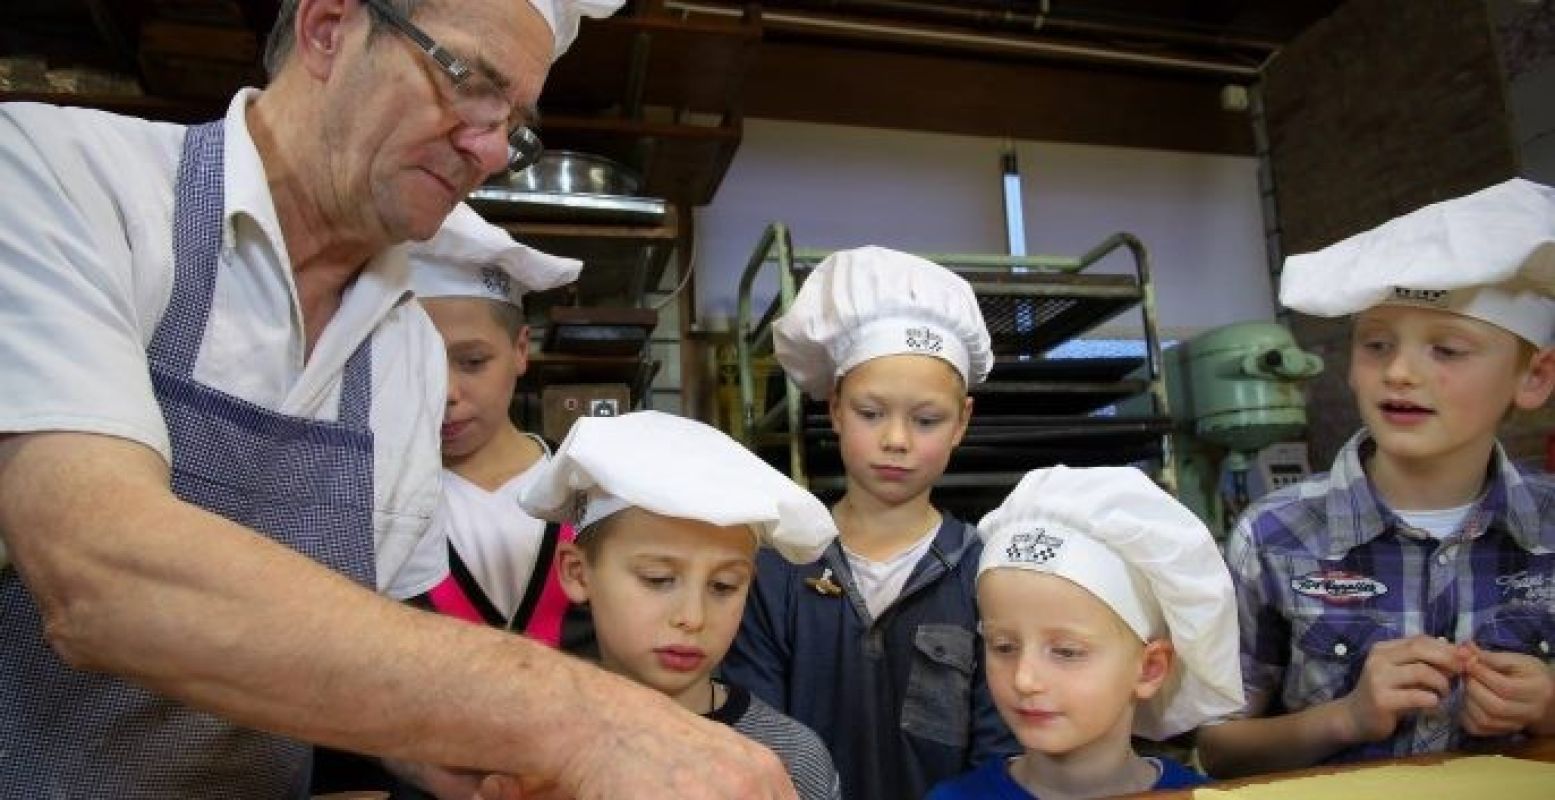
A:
(356, 387)
(197, 228)
(197, 231)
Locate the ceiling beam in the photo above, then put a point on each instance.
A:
(1021, 99)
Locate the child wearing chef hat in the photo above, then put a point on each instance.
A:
(1401, 603)
(470, 278)
(670, 514)
(1107, 612)
(875, 646)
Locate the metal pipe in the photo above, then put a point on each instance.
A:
(975, 41)
(1014, 217)
(981, 262)
(970, 14)
(777, 234)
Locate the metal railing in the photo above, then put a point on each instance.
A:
(781, 422)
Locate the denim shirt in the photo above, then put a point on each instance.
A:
(901, 701)
(1324, 571)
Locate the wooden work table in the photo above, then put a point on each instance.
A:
(1536, 749)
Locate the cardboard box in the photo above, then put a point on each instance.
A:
(561, 404)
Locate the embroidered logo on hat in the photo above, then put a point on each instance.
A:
(496, 281)
(1433, 297)
(1033, 548)
(1338, 587)
(923, 340)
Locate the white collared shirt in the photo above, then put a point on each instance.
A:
(86, 268)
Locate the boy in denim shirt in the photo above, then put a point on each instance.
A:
(1404, 602)
(875, 646)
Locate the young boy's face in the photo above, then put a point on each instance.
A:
(897, 419)
(1063, 668)
(1433, 384)
(666, 595)
(485, 359)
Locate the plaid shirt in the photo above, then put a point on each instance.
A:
(1323, 571)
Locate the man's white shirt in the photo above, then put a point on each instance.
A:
(86, 269)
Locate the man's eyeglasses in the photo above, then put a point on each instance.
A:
(476, 100)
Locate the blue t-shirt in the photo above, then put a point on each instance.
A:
(992, 781)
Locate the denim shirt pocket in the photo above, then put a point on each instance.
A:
(1530, 632)
(938, 706)
(1330, 651)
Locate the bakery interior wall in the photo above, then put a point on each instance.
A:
(1388, 105)
(839, 186)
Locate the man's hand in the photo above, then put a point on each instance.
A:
(1504, 692)
(1400, 677)
(650, 754)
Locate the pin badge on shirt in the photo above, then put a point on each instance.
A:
(824, 585)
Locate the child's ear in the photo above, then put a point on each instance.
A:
(572, 571)
(834, 409)
(966, 419)
(1538, 382)
(1155, 667)
(521, 350)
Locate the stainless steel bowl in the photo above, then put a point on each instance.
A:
(569, 172)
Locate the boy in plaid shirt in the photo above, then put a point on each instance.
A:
(1404, 602)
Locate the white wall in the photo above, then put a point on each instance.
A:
(840, 186)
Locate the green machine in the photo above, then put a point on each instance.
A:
(1234, 391)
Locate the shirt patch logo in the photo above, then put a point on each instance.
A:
(923, 340)
(1033, 548)
(1434, 297)
(496, 281)
(1339, 588)
(824, 585)
(1524, 589)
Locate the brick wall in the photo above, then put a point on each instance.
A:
(1384, 106)
(1526, 35)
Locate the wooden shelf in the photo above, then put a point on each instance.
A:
(546, 369)
(635, 88)
(693, 65)
(620, 262)
(681, 163)
(656, 92)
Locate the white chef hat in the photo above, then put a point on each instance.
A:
(563, 17)
(870, 302)
(676, 467)
(1488, 255)
(470, 257)
(1125, 540)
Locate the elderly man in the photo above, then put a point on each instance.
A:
(218, 437)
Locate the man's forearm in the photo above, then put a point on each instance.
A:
(140, 585)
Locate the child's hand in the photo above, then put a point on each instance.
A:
(1400, 677)
(1504, 692)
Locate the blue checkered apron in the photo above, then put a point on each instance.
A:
(304, 483)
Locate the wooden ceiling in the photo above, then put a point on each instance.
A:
(1140, 73)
